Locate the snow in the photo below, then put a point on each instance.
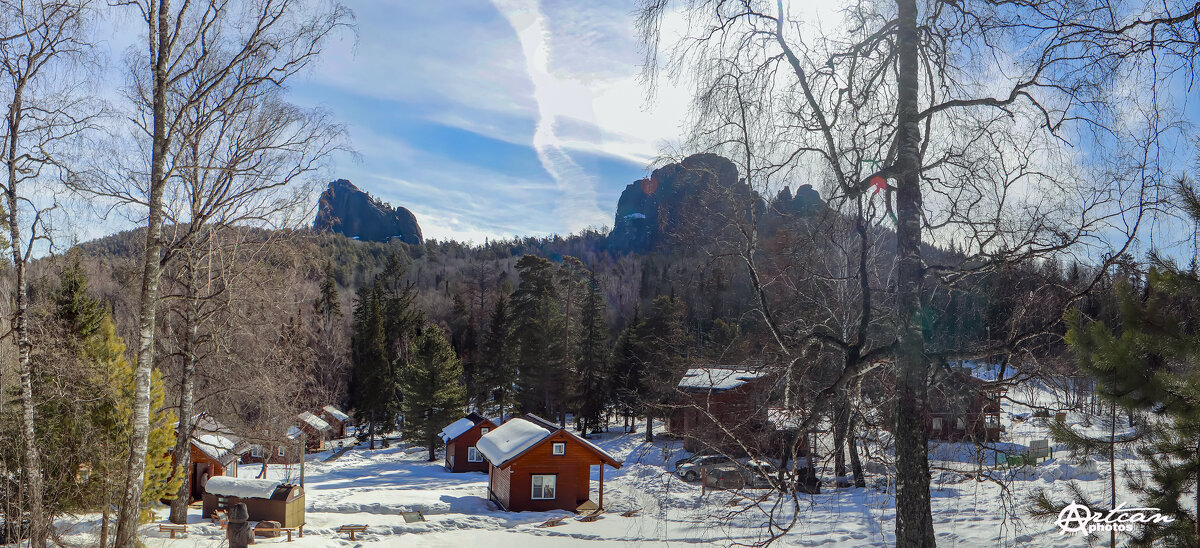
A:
(509, 440)
(456, 429)
(717, 378)
(336, 413)
(242, 487)
(632, 216)
(314, 421)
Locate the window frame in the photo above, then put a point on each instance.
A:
(483, 430)
(282, 452)
(533, 478)
(474, 450)
(558, 448)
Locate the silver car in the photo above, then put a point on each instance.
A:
(690, 469)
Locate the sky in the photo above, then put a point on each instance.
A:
(489, 119)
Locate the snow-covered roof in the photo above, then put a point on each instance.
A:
(783, 419)
(335, 413)
(717, 378)
(242, 487)
(314, 421)
(509, 440)
(219, 448)
(293, 432)
(456, 429)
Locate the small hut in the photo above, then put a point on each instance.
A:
(460, 438)
(214, 452)
(722, 407)
(337, 419)
(265, 499)
(316, 431)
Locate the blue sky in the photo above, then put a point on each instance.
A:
(493, 119)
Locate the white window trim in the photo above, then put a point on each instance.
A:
(558, 448)
(483, 430)
(473, 451)
(256, 451)
(533, 484)
(282, 452)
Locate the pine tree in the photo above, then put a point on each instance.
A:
(628, 365)
(664, 339)
(592, 361)
(499, 368)
(434, 395)
(1152, 363)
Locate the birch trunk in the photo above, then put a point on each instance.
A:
(183, 431)
(914, 518)
(31, 468)
(129, 509)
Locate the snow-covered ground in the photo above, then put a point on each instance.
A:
(375, 487)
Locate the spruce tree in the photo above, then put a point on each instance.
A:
(372, 385)
(499, 365)
(664, 341)
(592, 361)
(434, 395)
(537, 327)
(628, 365)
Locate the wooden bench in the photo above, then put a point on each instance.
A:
(591, 517)
(287, 530)
(352, 530)
(553, 522)
(172, 528)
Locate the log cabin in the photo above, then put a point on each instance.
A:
(963, 407)
(717, 404)
(460, 438)
(534, 464)
(316, 431)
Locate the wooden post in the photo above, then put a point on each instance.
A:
(303, 451)
(601, 502)
(703, 480)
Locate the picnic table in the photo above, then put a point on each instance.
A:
(287, 530)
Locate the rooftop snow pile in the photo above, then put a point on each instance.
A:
(215, 446)
(717, 378)
(456, 429)
(314, 421)
(242, 488)
(335, 413)
(509, 440)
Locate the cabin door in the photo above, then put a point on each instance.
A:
(200, 475)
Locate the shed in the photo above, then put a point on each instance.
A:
(338, 421)
(265, 499)
(460, 438)
(315, 429)
(533, 464)
(214, 451)
(722, 408)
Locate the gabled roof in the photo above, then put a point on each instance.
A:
(216, 440)
(717, 378)
(336, 413)
(313, 421)
(519, 435)
(462, 426)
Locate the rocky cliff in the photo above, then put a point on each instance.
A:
(345, 209)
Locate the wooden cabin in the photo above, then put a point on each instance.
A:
(962, 407)
(265, 499)
(285, 451)
(316, 431)
(533, 464)
(214, 451)
(337, 419)
(716, 404)
(460, 438)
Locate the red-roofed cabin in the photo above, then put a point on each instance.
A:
(535, 465)
(460, 438)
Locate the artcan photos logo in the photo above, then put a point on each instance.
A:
(1077, 518)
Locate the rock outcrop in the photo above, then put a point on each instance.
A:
(347, 210)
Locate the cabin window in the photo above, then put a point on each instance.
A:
(961, 424)
(543, 487)
(281, 451)
(558, 448)
(473, 455)
(937, 423)
(256, 451)
(484, 430)
(991, 421)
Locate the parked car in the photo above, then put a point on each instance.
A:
(691, 468)
(759, 474)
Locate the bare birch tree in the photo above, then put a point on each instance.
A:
(41, 45)
(963, 117)
(203, 60)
